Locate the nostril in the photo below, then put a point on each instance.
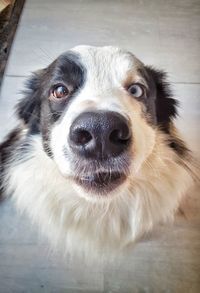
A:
(118, 136)
(81, 137)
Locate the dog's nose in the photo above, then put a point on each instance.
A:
(99, 135)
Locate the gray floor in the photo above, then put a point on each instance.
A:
(163, 33)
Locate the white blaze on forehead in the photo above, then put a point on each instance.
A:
(106, 67)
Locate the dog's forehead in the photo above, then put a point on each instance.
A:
(106, 61)
(108, 55)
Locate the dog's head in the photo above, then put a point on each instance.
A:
(98, 110)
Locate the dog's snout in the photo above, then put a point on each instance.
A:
(99, 134)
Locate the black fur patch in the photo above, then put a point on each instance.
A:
(165, 104)
(36, 109)
(69, 71)
(161, 106)
(28, 109)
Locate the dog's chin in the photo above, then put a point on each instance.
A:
(101, 184)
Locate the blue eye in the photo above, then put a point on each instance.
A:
(136, 90)
(60, 92)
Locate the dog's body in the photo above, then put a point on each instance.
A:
(96, 185)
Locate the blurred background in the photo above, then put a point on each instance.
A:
(163, 33)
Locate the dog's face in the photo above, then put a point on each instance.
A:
(98, 110)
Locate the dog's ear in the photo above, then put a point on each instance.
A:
(166, 110)
(28, 108)
(166, 105)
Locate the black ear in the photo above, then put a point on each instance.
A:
(166, 105)
(28, 108)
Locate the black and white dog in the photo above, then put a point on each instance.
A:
(96, 160)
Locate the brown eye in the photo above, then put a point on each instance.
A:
(60, 92)
(136, 90)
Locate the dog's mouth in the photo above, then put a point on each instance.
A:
(102, 182)
(101, 177)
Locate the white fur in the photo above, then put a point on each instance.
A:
(104, 225)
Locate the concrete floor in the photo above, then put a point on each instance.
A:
(162, 33)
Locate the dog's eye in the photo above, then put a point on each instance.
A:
(136, 90)
(60, 92)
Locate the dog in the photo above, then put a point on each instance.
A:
(96, 160)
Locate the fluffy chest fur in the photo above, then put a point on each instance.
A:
(79, 225)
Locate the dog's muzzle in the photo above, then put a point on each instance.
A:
(100, 138)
